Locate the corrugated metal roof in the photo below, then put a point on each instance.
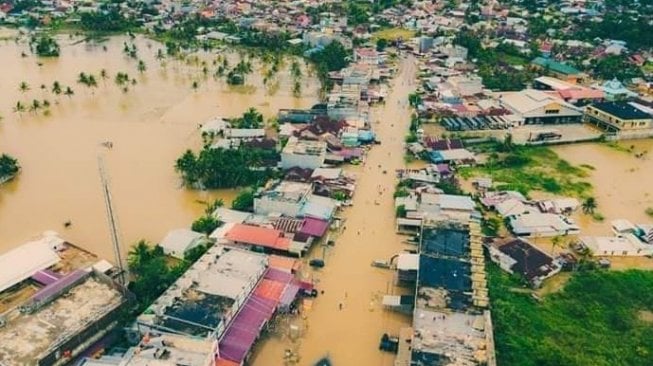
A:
(260, 236)
(22, 262)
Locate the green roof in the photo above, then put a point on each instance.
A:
(555, 66)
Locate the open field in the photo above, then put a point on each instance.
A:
(595, 320)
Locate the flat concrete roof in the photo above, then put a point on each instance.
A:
(26, 337)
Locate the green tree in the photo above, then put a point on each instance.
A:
(381, 44)
(589, 205)
(56, 88)
(206, 224)
(69, 92)
(45, 46)
(8, 167)
(23, 87)
(244, 201)
(141, 66)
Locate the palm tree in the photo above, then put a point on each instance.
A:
(212, 206)
(139, 255)
(56, 88)
(23, 87)
(589, 205)
(19, 107)
(159, 54)
(46, 103)
(195, 85)
(69, 92)
(92, 83)
(141, 66)
(35, 106)
(104, 75)
(82, 78)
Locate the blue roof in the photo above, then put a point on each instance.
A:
(314, 209)
(436, 157)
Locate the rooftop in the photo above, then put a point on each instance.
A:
(555, 66)
(304, 147)
(288, 191)
(20, 263)
(259, 236)
(201, 301)
(529, 261)
(170, 350)
(621, 110)
(28, 337)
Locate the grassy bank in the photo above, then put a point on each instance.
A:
(599, 318)
(527, 169)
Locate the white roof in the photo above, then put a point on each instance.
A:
(244, 132)
(543, 224)
(229, 215)
(622, 225)
(103, 266)
(20, 263)
(457, 154)
(327, 173)
(618, 246)
(454, 202)
(511, 207)
(530, 100)
(408, 262)
(178, 241)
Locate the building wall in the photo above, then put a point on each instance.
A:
(290, 160)
(608, 121)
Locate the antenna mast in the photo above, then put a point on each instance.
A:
(113, 226)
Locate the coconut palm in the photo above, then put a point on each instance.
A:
(56, 88)
(82, 78)
(589, 205)
(195, 85)
(69, 92)
(46, 103)
(141, 66)
(35, 106)
(23, 87)
(104, 75)
(19, 107)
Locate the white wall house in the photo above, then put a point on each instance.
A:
(303, 154)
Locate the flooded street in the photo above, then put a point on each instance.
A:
(351, 335)
(149, 126)
(622, 182)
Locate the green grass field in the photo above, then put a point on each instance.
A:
(393, 33)
(599, 318)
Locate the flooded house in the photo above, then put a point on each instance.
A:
(538, 107)
(227, 296)
(518, 256)
(62, 303)
(536, 224)
(163, 349)
(450, 322)
(303, 154)
(618, 117)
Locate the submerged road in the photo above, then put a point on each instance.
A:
(348, 320)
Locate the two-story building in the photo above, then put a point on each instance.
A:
(303, 154)
(617, 116)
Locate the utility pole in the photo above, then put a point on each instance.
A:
(113, 226)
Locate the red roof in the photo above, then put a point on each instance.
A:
(255, 235)
(270, 289)
(225, 362)
(581, 93)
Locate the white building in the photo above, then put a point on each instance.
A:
(303, 154)
(537, 107)
(178, 242)
(286, 198)
(543, 225)
(626, 245)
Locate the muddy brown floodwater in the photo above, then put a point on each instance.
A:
(351, 335)
(623, 183)
(149, 126)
